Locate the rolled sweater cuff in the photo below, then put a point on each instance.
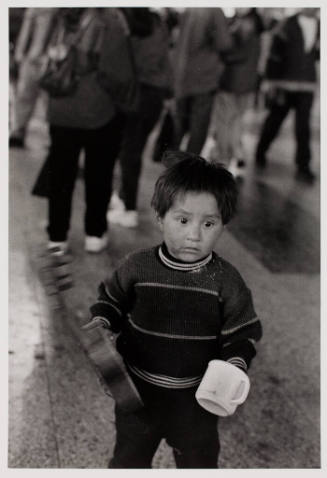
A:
(239, 353)
(238, 362)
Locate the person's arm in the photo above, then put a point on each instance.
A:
(25, 34)
(241, 328)
(222, 38)
(114, 301)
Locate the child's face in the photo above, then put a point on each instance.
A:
(192, 226)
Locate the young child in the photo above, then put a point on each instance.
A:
(177, 306)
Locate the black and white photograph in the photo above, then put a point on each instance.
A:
(163, 248)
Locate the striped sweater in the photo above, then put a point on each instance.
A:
(175, 317)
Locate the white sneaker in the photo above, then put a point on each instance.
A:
(116, 203)
(123, 218)
(57, 248)
(96, 244)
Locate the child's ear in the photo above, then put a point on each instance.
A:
(160, 221)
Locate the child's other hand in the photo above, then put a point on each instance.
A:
(97, 322)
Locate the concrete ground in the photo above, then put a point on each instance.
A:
(59, 416)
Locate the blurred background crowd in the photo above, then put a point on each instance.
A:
(191, 74)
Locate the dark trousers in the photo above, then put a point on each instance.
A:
(301, 102)
(194, 114)
(101, 148)
(173, 415)
(138, 126)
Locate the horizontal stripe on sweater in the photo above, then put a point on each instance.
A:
(172, 336)
(177, 287)
(183, 266)
(165, 380)
(238, 327)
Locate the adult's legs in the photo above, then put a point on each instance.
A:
(303, 105)
(101, 150)
(201, 106)
(183, 108)
(224, 114)
(242, 102)
(136, 132)
(271, 126)
(65, 146)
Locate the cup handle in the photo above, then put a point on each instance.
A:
(244, 392)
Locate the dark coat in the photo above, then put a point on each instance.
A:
(288, 59)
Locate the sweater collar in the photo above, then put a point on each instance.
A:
(173, 263)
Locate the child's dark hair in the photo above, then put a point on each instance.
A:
(188, 172)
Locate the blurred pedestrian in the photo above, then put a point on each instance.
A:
(236, 92)
(16, 16)
(30, 48)
(178, 306)
(150, 49)
(84, 120)
(291, 84)
(202, 39)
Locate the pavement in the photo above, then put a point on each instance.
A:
(59, 415)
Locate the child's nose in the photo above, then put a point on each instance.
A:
(194, 233)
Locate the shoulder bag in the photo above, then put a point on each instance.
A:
(60, 76)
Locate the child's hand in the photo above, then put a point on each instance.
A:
(97, 322)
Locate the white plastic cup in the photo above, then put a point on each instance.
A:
(223, 387)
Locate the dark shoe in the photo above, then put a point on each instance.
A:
(16, 142)
(305, 175)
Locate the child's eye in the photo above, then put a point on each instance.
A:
(208, 224)
(183, 220)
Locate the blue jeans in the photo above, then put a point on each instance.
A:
(173, 415)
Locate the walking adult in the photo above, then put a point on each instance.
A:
(32, 42)
(237, 86)
(84, 120)
(150, 49)
(292, 81)
(203, 38)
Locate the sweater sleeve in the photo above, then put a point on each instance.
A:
(241, 327)
(115, 298)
